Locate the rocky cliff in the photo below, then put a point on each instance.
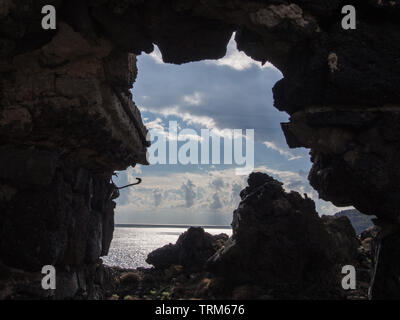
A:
(67, 120)
(279, 242)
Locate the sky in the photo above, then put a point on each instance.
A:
(234, 92)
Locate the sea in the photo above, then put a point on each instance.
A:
(132, 243)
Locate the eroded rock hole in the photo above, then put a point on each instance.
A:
(215, 94)
(68, 121)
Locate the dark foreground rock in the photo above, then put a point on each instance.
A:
(280, 243)
(345, 241)
(192, 250)
(280, 249)
(178, 282)
(94, 282)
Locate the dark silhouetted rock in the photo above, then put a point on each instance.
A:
(280, 243)
(341, 231)
(191, 250)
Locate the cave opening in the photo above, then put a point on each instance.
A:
(68, 121)
(234, 92)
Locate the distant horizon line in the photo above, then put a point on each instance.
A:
(158, 225)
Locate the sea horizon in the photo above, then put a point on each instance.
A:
(157, 225)
(133, 242)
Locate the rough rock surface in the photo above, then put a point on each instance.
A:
(280, 243)
(177, 282)
(345, 242)
(67, 121)
(241, 270)
(64, 99)
(191, 250)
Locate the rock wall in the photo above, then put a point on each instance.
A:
(65, 101)
(67, 121)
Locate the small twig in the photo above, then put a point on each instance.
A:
(115, 192)
(130, 185)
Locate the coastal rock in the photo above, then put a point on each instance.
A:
(191, 250)
(280, 243)
(130, 279)
(344, 237)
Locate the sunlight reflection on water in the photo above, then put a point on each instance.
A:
(130, 246)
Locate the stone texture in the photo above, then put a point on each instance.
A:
(61, 224)
(280, 243)
(344, 238)
(353, 146)
(65, 94)
(191, 250)
(64, 129)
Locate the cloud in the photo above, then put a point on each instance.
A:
(156, 55)
(157, 198)
(177, 191)
(209, 195)
(237, 60)
(303, 173)
(193, 100)
(216, 204)
(137, 169)
(236, 189)
(179, 111)
(271, 145)
(155, 124)
(189, 193)
(218, 183)
(234, 93)
(237, 95)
